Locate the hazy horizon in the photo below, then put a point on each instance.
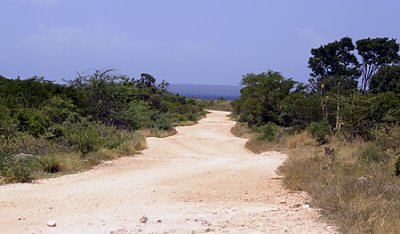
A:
(183, 42)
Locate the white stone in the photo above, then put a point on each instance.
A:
(51, 223)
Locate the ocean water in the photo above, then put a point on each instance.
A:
(213, 97)
(226, 92)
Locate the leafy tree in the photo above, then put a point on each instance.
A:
(8, 125)
(300, 109)
(138, 115)
(386, 79)
(32, 121)
(376, 53)
(59, 110)
(104, 95)
(163, 86)
(332, 61)
(29, 93)
(362, 112)
(261, 96)
(146, 80)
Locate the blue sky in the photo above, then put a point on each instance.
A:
(181, 41)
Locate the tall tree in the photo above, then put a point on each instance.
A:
(261, 96)
(333, 61)
(386, 79)
(376, 53)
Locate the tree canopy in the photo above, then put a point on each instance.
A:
(376, 53)
(261, 95)
(386, 79)
(335, 59)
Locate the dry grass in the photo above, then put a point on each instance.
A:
(254, 144)
(241, 130)
(56, 164)
(221, 105)
(185, 123)
(302, 139)
(158, 133)
(358, 196)
(3, 180)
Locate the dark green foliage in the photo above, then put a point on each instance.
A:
(387, 79)
(17, 170)
(8, 125)
(161, 122)
(93, 112)
(137, 115)
(261, 96)
(104, 95)
(300, 109)
(319, 131)
(32, 121)
(268, 132)
(331, 97)
(335, 59)
(128, 103)
(83, 136)
(376, 53)
(59, 110)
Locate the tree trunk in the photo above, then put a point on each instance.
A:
(338, 122)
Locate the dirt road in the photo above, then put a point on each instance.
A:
(202, 180)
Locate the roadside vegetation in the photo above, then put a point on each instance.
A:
(48, 129)
(219, 104)
(341, 131)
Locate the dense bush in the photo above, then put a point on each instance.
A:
(372, 153)
(32, 121)
(138, 115)
(161, 122)
(319, 131)
(94, 116)
(17, 170)
(268, 132)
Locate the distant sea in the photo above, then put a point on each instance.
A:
(228, 92)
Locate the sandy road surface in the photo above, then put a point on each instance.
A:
(201, 180)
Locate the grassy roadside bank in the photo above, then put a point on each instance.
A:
(22, 168)
(352, 183)
(16, 168)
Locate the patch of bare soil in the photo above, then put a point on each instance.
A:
(201, 180)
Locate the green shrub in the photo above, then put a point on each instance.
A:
(83, 137)
(50, 164)
(372, 153)
(162, 123)
(32, 121)
(26, 143)
(319, 131)
(59, 110)
(112, 137)
(387, 136)
(18, 170)
(268, 132)
(138, 115)
(89, 137)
